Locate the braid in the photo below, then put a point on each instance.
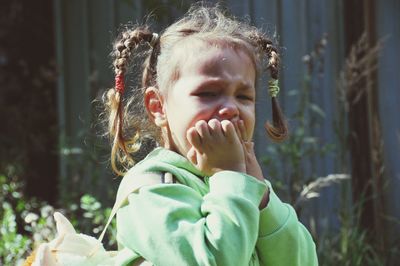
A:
(278, 131)
(150, 67)
(125, 45)
(128, 42)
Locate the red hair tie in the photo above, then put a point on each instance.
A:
(119, 83)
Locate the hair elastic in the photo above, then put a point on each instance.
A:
(154, 39)
(119, 83)
(273, 87)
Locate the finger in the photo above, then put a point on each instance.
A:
(242, 130)
(194, 138)
(228, 128)
(238, 132)
(202, 128)
(215, 128)
(192, 156)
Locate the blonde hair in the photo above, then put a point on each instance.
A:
(128, 124)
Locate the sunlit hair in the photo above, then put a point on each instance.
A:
(129, 126)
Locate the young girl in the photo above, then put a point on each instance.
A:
(198, 91)
(202, 199)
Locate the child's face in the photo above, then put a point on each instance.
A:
(213, 83)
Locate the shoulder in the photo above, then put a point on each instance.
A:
(133, 181)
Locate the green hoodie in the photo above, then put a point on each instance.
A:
(207, 220)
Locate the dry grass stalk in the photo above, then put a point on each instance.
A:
(312, 189)
(360, 63)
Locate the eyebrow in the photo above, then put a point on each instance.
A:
(218, 81)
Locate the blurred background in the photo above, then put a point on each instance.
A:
(340, 91)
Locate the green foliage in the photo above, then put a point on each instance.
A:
(13, 245)
(26, 223)
(350, 246)
(95, 216)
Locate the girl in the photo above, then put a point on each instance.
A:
(198, 90)
(199, 198)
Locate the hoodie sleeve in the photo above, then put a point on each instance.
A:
(283, 240)
(172, 224)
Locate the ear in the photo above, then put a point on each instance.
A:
(154, 105)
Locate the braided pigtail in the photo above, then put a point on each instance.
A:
(278, 130)
(122, 146)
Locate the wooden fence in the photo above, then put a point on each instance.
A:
(84, 32)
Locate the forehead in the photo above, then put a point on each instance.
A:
(215, 61)
(210, 57)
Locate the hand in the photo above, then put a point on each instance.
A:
(215, 147)
(252, 166)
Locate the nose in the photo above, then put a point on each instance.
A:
(228, 110)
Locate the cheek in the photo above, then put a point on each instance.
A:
(185, 113)
(199, 111)
(250, 120)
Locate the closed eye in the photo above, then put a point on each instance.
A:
(245, 97)
(207, 94)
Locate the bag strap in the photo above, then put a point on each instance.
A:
(128, 186)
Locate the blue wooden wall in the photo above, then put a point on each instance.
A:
(85, 30)
(388, 29)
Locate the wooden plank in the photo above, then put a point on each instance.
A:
(291, 78)
(264, 15)
(58, 11)
(359, 126)
(291, 37)
(330, 200)
(388, 29)
(101, 30)
(101, 35)
(76, 93)
(77, 68)
(127, 11)
(238, 8)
